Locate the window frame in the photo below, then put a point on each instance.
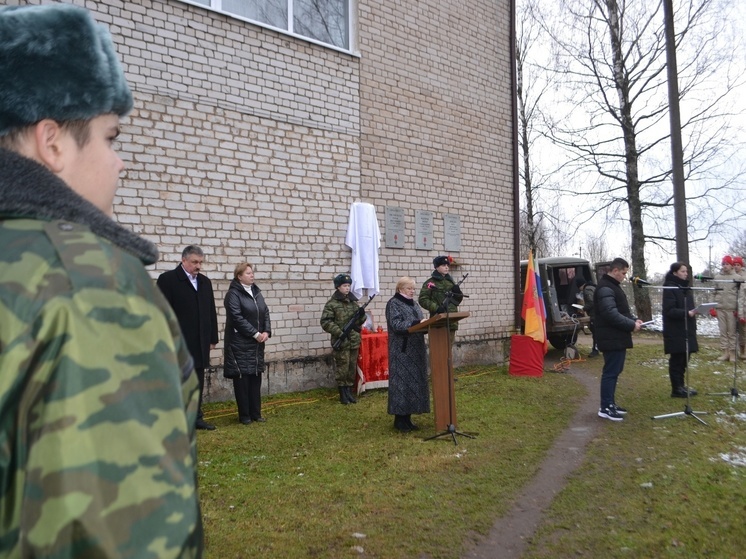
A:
(216, 6)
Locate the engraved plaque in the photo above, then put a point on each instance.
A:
(394, 227)
(452, 226)
(423, 229)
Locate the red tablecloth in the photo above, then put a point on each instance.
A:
(373, 361)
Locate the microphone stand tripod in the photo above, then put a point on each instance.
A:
(451, 427)
(733, 393)
(687, 407)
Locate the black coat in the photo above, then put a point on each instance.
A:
(614, 322)
(244, 317)
(195, 311)
(676, 322)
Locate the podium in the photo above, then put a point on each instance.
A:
(441, 367)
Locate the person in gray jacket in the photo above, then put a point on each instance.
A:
(727, 298)
(408, 387)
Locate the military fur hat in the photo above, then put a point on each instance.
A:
(342, 279)
(57, 62)
(440, 261)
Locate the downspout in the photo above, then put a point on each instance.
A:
(516, 182)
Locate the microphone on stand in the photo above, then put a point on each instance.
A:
(702, 277)
(639, 282)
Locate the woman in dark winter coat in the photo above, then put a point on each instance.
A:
(679, 322)
(247, 328)
(408, 387)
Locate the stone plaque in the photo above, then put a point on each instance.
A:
(423, 229)
(452, 226)
(394, 227)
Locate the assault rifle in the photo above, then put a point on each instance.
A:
(443, 307)
(351, 324)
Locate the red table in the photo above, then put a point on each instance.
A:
(373, 361)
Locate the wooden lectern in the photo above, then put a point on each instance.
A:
(441, 367)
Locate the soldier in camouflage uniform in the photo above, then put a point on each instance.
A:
(435, 289)
(337, 313)
(98, 396)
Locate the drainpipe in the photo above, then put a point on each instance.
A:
(516, 182)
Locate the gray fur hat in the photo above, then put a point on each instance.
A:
(57, 62)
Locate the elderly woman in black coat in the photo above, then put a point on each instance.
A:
(408, 387)
(679, 325)
(247, 328)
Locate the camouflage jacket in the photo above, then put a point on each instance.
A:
(98, 398)
(433, 293)
(337, 313)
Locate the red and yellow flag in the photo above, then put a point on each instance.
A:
(533, 312)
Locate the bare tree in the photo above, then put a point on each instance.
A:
(595, 248)
(541, 231)
(611, 56)
(738, 244)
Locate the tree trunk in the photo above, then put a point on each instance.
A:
(641, 296)
(523, 131)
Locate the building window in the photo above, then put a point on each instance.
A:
(324, 21)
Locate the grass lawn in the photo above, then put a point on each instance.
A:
(663, 488)
(323, 480)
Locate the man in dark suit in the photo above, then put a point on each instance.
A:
(190, 295)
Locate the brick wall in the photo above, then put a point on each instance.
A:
(253, 144)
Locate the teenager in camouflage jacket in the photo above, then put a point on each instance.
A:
(338, 311)
(435, 288)
(97, 391)
(98, 395)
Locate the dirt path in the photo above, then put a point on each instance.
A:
(509, 535)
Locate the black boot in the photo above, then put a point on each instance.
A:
(343, 396)
(350, 398)
(412, 426)
(401, 424)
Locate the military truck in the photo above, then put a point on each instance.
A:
(557, 276)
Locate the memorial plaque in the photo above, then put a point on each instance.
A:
(394, 227)
(452, 226)
(423, 229)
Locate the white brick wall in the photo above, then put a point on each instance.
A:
(253, 144)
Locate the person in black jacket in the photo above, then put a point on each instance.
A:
(190, 295)
(614, 327)
(247, 328)
(679, 327)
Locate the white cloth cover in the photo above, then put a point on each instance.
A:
(364, 238)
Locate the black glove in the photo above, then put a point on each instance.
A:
(456, 289)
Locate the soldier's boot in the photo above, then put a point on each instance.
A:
(725, 356)
(732, 355)
(350, 398)
(742, 354)
(343, 396)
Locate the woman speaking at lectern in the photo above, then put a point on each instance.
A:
(408, 387)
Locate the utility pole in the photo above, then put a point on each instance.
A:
(677, 152)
